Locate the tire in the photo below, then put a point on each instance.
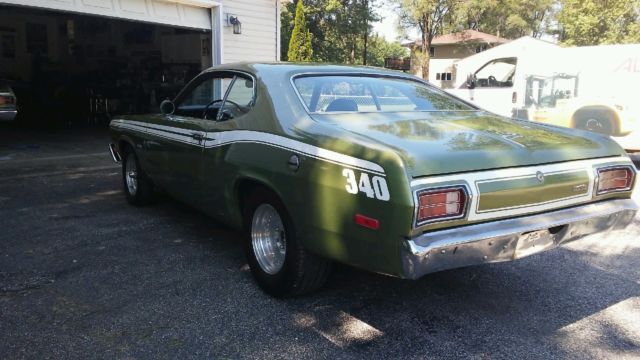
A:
(137, 187)
(599, 122)
(291, 270)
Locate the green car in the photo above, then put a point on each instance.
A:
(371, 168)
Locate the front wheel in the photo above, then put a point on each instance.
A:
(137, 187)
(280, 266)
(596, 121)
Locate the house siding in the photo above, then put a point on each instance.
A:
(259, 38)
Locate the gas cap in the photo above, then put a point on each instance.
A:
(294, 162)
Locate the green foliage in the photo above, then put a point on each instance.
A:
(340, 29)
(300, 43)
(510, 19)
(428, 16)
(379, 49)
(595, 22)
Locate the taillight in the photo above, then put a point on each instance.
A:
(514, 97)
(439, 204)
(6, 100)
(615, 179)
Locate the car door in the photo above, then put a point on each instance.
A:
(177, 140)
(234, 114)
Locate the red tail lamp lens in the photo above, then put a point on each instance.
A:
(6, 100)
(441, 203)
(614, 179)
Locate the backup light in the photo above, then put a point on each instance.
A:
(615, 179)
(441, 204)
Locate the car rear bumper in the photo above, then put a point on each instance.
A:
(8, 115)
(511, 239)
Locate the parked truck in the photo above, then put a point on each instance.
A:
(591, 88)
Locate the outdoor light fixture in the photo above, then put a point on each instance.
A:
(237, 25)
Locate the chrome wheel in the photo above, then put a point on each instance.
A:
(268, 239)
(131, 175)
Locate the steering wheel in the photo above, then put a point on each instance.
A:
(206, 108)
(492, 80)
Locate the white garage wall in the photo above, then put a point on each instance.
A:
(157, 11)
(259, 38)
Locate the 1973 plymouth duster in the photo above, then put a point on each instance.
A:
(371, 168)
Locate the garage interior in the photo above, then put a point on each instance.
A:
(75, 70)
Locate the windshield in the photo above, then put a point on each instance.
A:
(355, 93)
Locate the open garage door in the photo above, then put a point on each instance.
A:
(185, 13)
(72, 69)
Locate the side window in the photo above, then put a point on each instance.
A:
(497, 73)
(239, 98)
(204, 100)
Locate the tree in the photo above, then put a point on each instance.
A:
(595, 22)
(300, 43)
(340, 28)
(505, 18)
(428, 16)
(379, 49)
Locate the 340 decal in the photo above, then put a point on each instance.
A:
(374, 187)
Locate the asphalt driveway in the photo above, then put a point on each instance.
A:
(84, 275)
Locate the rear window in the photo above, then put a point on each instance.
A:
(354, 93)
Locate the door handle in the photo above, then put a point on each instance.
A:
(197, 136)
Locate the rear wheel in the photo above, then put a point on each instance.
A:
(137, 187)
(279, 264)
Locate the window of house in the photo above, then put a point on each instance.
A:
(445, 76)
(432, 51)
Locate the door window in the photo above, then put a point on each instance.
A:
(206, 97)
(239, 98)
(497, 73)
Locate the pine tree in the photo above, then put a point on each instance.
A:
(300, 44)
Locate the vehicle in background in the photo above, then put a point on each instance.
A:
(8, 102)
(589, 88)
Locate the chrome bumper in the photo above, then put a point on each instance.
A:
(8, 115)
(511, 239)
(114, 153)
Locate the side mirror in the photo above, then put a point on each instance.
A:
(167, 107)
(471, 81)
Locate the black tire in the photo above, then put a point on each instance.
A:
(143, 192)
(301, 273)
(599, 122)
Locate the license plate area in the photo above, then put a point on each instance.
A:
(534, 242)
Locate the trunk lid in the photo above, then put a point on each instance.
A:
(436, 143)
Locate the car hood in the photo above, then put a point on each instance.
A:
(433, 143)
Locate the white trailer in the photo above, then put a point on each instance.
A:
(590, 88)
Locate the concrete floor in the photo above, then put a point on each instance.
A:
(84, 275)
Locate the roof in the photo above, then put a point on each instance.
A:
(289, 69)
(464, 37)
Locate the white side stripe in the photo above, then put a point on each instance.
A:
(246, 136)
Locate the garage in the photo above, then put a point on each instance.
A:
(78, 63)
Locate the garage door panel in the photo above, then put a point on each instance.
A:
(133, 7)
(100, 4)
(166, 10)
(154, 11)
